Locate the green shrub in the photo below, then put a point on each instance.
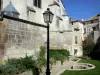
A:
(16, 63)
(59, 51)
(8, 70)
(41, 60)
(13, 61)
(59, 55)
(88, 46)
(28, 62)
(22, 64)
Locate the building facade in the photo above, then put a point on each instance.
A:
(92, 28)
(23, 38)
(78, 37)
(84, 30)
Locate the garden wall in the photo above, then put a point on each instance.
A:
(18, 39)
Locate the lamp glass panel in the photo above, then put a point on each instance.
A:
(46, 17)
(51, 18)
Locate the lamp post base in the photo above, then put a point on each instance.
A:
(48, 72)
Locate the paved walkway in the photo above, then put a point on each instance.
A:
(58, 68)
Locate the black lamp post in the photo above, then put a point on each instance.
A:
(48, 17)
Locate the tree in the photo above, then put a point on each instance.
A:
(95, 54)
(88, 46)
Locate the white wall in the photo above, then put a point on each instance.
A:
(80, 38)
(55, 37)
(20, 5)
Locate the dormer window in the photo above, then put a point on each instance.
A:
(37, 3)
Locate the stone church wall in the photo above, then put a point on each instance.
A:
(2, 40)
(60, 40)
(22, 39)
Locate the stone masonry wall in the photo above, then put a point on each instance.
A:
(22, 39)
(2, 40)
(60, 40)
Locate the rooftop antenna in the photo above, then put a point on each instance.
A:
(82, 19)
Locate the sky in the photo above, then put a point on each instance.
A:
(82, 9)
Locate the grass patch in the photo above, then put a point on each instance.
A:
(95, 71)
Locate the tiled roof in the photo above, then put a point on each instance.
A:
(10, 8)
(74, 20)
(93, 18)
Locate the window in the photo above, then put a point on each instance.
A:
(57, 22)
(84, 31)
(94, 28)
(37, 3)
(97, 26)
(0, 37)
(95, 21)
(89, 30)
(75, 51)
(75, 39)
(31, 16)
(91, 21)
(72, 23)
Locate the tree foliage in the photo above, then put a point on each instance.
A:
(88, 46)
(41, 60)
(95, 54)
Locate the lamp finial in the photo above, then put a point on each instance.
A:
(48, 9)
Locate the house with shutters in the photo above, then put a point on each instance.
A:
(88, 30)
(78, 37)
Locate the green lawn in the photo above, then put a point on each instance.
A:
(95, 71)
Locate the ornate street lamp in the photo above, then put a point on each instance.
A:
(48, 17)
